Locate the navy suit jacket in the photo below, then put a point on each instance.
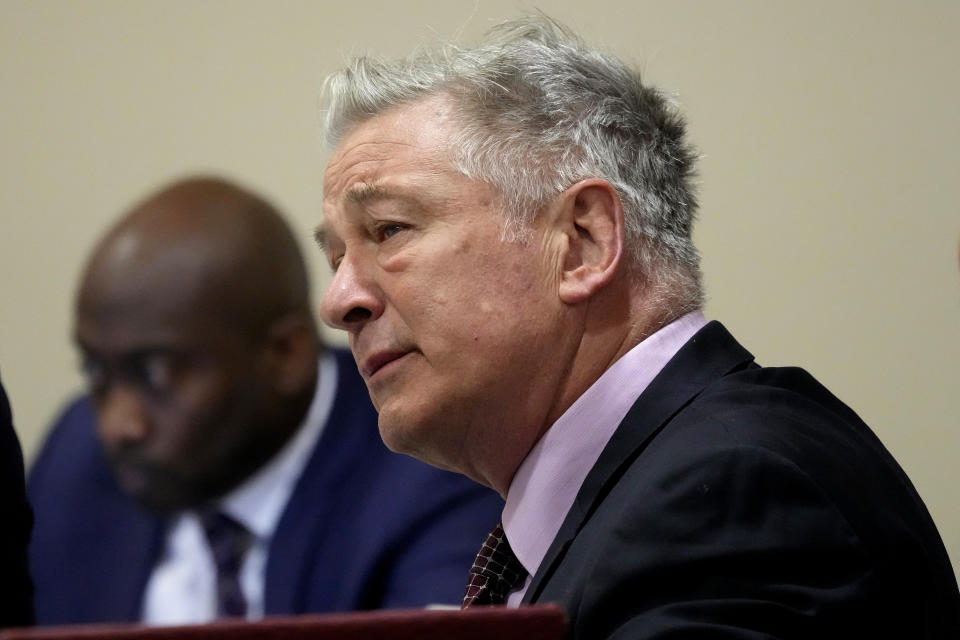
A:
(365, 528)
(16, 606)
(736, 501)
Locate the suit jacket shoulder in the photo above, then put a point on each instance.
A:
(747, 502)
(16, 606)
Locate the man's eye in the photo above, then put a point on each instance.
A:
(388, 230)
(157, 373)
(95, 375)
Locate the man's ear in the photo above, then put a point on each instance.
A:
(591, 215)
(292, 351)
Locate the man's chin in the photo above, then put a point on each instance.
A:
(420, 442)
(157, 503)
(133, 479)
(396, 438)
(151, 493)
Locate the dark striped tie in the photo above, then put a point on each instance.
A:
(229, 542)
(495, 572)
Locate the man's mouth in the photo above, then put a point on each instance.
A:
(132, 476)
(379, 359)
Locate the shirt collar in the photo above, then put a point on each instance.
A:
(547, 481)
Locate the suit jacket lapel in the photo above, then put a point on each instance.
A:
(127, 552)
(136, 567)
(308, 514)
(711, 353)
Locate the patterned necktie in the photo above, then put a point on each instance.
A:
(229, 541)
(495, 572)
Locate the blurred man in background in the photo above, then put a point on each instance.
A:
(224, 463)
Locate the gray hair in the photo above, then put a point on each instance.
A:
(537, 111)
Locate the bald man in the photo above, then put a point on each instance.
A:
(223, 464)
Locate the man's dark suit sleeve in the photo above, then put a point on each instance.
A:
(16, 591)
(738, 544)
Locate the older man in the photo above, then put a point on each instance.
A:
(233, 467)
(509, 228)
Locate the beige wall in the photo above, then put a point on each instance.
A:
(829, 180)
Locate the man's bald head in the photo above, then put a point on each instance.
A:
(226, 245)
(194, 321)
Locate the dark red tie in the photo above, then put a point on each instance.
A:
(229, 541)
(495, 572)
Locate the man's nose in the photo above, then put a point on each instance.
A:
(352, 299)
(122, 417)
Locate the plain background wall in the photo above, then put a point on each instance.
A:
(829, 132)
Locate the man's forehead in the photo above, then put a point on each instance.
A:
(401, 156)
(126, 335)
(125, 329)
(409, 181)
(407, 130)
(431, 115)
(174, 294)
(410, 194)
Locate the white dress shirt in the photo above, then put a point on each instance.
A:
(182, 587)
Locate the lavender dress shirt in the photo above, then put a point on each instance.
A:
(547, 481)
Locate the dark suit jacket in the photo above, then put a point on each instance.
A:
(736, 501)
(16, 603)
(365, 528)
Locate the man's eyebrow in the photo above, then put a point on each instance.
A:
(361, 195)
(320, 237)
(364, 194)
